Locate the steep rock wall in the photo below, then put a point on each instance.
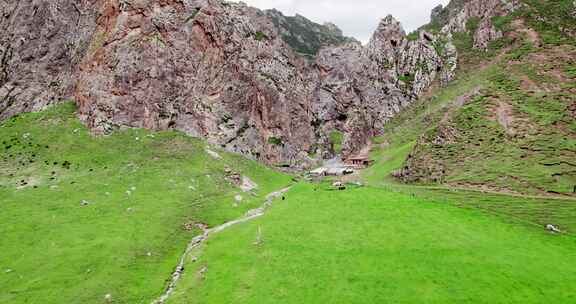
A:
(41, 43)
(211, 69)
(361, 88)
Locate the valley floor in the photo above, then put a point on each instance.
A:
(106, 220)
(371, 245)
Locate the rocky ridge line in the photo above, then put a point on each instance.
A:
(214, 70)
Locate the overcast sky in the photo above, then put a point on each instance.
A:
(357, 18)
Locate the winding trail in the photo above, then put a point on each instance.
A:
(206, 232)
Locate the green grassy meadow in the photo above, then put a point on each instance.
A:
(84, 217)
(141, 188)
(370, 245)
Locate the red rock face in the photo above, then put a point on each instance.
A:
(211, 69)
(41, 43)
(361, 88)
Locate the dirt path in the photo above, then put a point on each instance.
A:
(206, 232)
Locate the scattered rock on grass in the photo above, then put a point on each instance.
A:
(247, 184)
(553, 228)
(84, 203)
(213, 154)
(188, 226)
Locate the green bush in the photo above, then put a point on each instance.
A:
(275, 141)
(502, 23)
(408, 78)
(571, 72)
(413, 36)
(521, 52)
(336, 138)
(472, 24)
(259, 36)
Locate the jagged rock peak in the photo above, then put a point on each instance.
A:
(458, 14)
(212, 69)
(305, 36)
(389, 29)
(436, 13)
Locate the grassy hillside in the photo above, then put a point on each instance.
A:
(453, 210)
(501, 137)
(369, 245)
(517, 134)
(479, 163)
(507, 124)
(84, 217)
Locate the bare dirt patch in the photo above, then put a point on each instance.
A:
(504, 116)
(531, 35)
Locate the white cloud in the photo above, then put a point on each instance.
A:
(357, 18)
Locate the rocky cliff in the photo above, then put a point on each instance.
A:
(212, 69)
(477, 16)
(305, 36)
(41, 44)
(215, 70)
(361, 88)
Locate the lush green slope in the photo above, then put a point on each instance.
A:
(370, 245)
(528, 161)
(83, 217)
(518, 133)
(508, 123)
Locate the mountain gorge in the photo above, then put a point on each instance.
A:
(206, 151)
(241, 77)
(214, 70)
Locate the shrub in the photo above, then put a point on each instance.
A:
(521, 52)
(336, 137)
(259, 36)
(502, 23)
(472, 24)
(275, 141)
(407, 78)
